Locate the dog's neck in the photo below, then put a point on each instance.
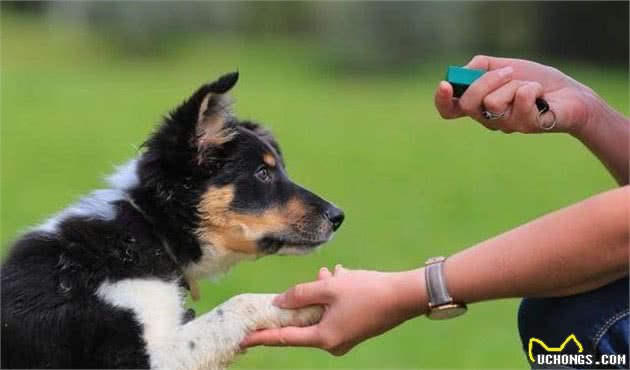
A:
(196, 259)
(214, 262)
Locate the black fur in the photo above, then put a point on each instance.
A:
(51, 317)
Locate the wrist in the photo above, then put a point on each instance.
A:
(410, 288)
(595, 112)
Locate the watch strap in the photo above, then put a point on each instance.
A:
(436, 284)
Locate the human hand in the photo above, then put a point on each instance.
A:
(359, 305)
(512, 86)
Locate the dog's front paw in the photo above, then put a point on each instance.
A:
(299, 317)
(259, 311)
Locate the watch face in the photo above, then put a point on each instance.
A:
(447, 311)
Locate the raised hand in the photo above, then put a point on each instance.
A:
(510, 88)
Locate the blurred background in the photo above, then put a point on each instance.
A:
(347, 88)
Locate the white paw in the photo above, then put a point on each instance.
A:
(259, 311)
(300, 317)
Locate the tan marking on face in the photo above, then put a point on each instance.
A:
(295, 209)
(269, 159)
(238, 232)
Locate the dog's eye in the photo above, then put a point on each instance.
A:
(262, 174)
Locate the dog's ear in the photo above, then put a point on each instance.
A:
(212, 125)
(264, 134)
(205, 119)
(200, 124)
(208, 110)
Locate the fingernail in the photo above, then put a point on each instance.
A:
(278, 300)
(443, 87)
(505, 71)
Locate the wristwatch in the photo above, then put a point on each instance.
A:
(441, 305)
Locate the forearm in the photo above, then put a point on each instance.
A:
(572, 250)
(576, 249)
(607, 135)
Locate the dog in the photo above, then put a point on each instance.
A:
(102, 284)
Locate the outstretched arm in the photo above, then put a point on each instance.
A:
(575, 249)
(572, 250)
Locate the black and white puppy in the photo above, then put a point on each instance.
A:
(102, 284)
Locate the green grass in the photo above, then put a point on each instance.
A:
(412, 185)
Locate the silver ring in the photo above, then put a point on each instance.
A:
(546, 124)
(491, 116)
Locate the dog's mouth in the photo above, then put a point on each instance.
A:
(286, 245)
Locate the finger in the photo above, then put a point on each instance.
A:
(305, 294)
(500, 99)
(446, 107)
(524, 109)
(501, 124)
(339, 270)
(492, 125)
(488, 63)
(471, 101)
(290, 336)
(324, 273)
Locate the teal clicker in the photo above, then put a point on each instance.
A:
(460, 78)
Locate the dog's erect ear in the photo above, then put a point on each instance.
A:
(263, 134)
(205, 119)
(212, 127)
(201, 123)
(224, 83)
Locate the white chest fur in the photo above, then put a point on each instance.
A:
(156, 304)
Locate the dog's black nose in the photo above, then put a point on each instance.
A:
(335, 216)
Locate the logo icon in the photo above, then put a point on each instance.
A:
(552, 349)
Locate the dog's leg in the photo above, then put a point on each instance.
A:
(207, 342)
(212, 340)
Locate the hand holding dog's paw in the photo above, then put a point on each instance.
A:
(261, 313)
(301, 317)
(389, 298)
